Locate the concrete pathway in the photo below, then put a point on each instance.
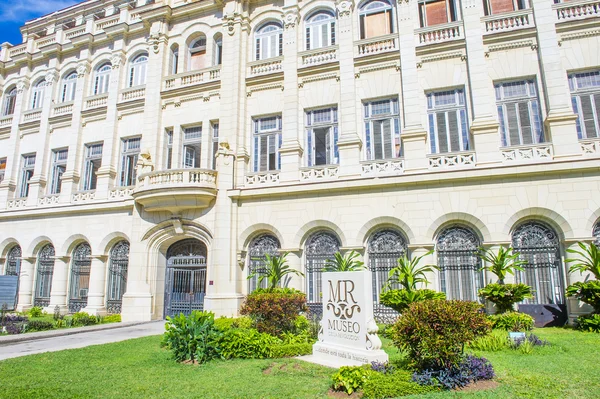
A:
(81, 340)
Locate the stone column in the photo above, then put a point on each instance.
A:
(58, 292)
(96, 304)
(417, 250)
(560, 122)
(25, 301)
(349, 142)
(294, 259)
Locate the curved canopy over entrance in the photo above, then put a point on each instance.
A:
(185, 282)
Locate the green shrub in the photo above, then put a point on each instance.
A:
(587, 292)
(192, 337)
(39, 325)
(112, 318)
(351, 378)
(493, 342)
(274, 311)
(246, 344)
(36, 311)
(504, 296)
(291, 350)
(225, 323)
(433, 333)
(83, 319)
(588, 323)
(397, 384)
(512, 321)
(400, 300)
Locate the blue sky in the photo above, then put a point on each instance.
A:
(14, 13)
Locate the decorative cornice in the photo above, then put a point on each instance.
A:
(510, 46)
(440, 57)
(50, 77)
(380, 67)
(264, 87)
(578, 35)
(22, 84)
(317, 78)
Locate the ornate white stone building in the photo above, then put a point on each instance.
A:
(151, 153)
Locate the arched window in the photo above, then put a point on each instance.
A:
(10, 100)
(376, 19)
(117, 276)
(137, 70)
(37, 95)
(218, 49)
(320, 30)
(596, 234)
(198, 54)
(269, 41)
(538, 245)
(460, 275)
(262, 245)
(384, 249)
(319, 248)
(69, 83)
(13, 261)
(101, 79)
(80, 277)
(174, 60)
(45, 270)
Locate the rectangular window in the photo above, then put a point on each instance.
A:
(447, 117)
(215, 144)
(585, 96)
(27, 168)
(267, 141)
(130, 149)
(192, 145)
(519, 113)
(436, 12)
(322, 137)
(2, 168)
(382, 129)
(91, 164)
(169, 148)
(59, 166)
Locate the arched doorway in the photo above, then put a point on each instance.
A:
(80, 277)
(117, 276)
(185, 280)
(320, 247)
(13, 261)
(45, 270)
(261, 246)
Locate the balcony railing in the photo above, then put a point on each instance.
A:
(177, 177)
(74, 32)
(6, 121)
(62, 109)
(376, 45)
(262, 179)
(264, 67)
(383, 167)
(33, 115)
(83, 196)
(440, 33)
(318, 56)
(451, 160)
(17, 203)
(508, 21)
(121, 192)
(48, 200)
(45, 41)
(97, 101)
(104, 23)
(578, 9)
(590, 147)
(17, 50)
(192, 78)
(133, 93)
(325, 172)
(534, 152)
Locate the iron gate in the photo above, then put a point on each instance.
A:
(319, 249)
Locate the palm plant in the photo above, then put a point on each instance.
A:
(589, 261)
(347, 263)
(408, 273)
(276, 268)
(501, 263)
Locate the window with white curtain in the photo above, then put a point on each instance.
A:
(58, 168)
(10, 100)
(192, 146)
(37, 94)
(101, 79)
(519, 113)
(447, 117)
(269, 41)
(585, 96)
(130, 150)
(69, 84)
(137, 70)
(382, 129)
(322, 137)
(267, 141)
(376, 18)
(198, 54)
(320, 30)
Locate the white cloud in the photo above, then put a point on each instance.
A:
(24, 10)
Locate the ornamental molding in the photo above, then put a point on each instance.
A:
(264, 87)
(511, 45)
(82, 69)
(317, 78)
(380, 67)
(50, 77)
(233, 18)
(154, 40)
(578, 35)
(440, 57)
(117, 59)
(22, 85)
(290, 18)
(344, 7)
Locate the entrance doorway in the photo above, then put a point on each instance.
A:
(185, 281)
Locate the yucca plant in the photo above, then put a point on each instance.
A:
(589, 261)
(408, 273)
(347, 263)
(501, 263)
(276, 268)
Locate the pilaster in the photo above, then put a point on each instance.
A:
(25, 301)
(96, 304)
(58, 292)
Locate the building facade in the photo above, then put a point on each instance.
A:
(152, 153)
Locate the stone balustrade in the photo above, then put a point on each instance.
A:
(262, 179)
(17, 203)
(74, 32)
(96, 101)
(45, 41)
(590, 147)
(6, 121)
(192, 78)
(577, 9)
(62, 109)
(48, 200)
(382, 167)
(120, 193)
(104, 23)
(32, 115)
(263, 67)
(133, 93)
(527, 153)
(376, 45)
(509, 21)
(318, 56)
(451, 160)
(440, 33)
(83, 196)
(325, 172)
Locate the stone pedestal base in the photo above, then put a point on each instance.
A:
(136, 307)
(337, 356)
(223, 305)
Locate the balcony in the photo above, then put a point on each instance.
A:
(262, 179)
(6, 121)
(265, 67)
(96, 101)
(133, 93)
(509, 21)
(318, 56)
(32, 116)
(383, 167)
(440, 33)
(176, 190)
(318, 173)
(376, 45)
(451, 160)
(577, 10)
(104, 23)
(62, 109)
(527, 153)
(192, 78)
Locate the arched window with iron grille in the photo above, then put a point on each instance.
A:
(117, 276)
(261, 246)
(80, 277)
(319, 248)
(384, 249)
(13, 261)
(596, 234)
(460, 275)
(45, 270)
(538, 245)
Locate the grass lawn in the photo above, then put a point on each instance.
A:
(139, 368)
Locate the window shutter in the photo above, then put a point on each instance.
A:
(280, 43)
(387, 139)
(368, 140)
(309, 148)
(454, 131)
(324, 35)
(308, 46)
(398, 141)
(333, 33)
(256, 147)
(263, 153)
(377, 131)
(588, 115)
(432, 142)
(513, 128)
(441, 132)
(336, 152)
(279, 142)
(362, 26)
(258, 49)
(525, 121)
(328, 154)
(503, 136)
(597, 108)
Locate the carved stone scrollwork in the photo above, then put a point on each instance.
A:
(22, 85)
(82, 69)
(116, 60)
(290, 19)
(344, 7)
(50, 78)
(154, 41)
(229, 23)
